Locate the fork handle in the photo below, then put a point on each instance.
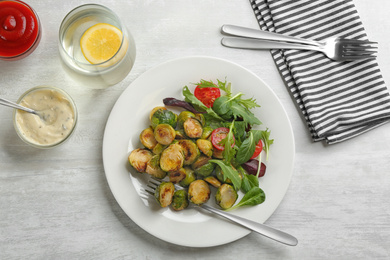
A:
(262, 229)
(259, 34)
(255, 44)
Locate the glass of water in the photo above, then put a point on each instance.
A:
(78, 29)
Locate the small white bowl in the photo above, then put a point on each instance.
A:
(55, 103)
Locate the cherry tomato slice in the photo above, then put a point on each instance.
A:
(258, 149)
(207, 95)
(218, 135)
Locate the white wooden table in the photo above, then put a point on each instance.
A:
(56, 204)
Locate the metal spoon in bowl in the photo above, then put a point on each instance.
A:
(45, 117)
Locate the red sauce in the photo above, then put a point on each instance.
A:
(19, 30)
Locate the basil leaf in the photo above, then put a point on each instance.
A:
(254, 196)
(229, 172)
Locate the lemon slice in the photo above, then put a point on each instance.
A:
(100, 42)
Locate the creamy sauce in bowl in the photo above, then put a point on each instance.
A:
(58, 117)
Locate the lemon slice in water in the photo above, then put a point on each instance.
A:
(100, 42)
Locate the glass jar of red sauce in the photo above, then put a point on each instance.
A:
(20, 30)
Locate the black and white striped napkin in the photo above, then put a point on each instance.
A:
(339, 100)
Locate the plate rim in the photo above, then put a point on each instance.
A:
(150, 71)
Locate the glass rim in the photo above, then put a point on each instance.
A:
(97, 6)
(67, 96)
(36, 40)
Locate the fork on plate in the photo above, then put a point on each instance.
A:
(335, 48)
(262, 229)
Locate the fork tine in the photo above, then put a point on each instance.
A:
(356, 42)
(358, 57)
(154, 181)
(150, 192)
(359, 47)
(152, 184)
(361, 52)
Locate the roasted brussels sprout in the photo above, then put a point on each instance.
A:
(183, 116)
(207, 132)
(177, 176)
(163, 116)
(139, 158)
(217, 153)
(199, 192)
(154, 110)
(205, 170)
(205, 146)
(226, 196)
(190, 177)
(164, 134)
(153, 168)
(172, 158)
(193, 128)
(213, 181)
(147, 138)
(180, 200)
(190, 150)
(180, 134)
(201, 119)
(202, 160)
(158, 148)
(164, 193)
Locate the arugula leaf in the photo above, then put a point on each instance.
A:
(253, 197)
(239, 131)
(205, 84)
(225, 87)
(247, 103)
(267, 142)
(190, 98)
(241, 111)
(229, 151)
(221, 85)
(229, 109)
(229, 172)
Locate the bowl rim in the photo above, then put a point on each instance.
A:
(37, 39)
(75, 112)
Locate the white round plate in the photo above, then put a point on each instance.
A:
(130, 115)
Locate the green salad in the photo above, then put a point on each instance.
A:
(211, 144)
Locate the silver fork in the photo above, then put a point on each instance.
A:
(336, 48)
(262, 229)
